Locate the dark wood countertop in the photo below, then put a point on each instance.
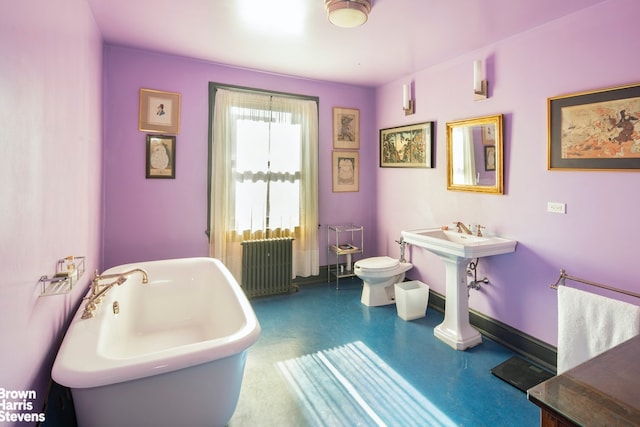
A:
(604, 391)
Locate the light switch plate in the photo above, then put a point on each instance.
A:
(556, 207)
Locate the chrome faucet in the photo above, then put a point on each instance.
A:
(98, 291)
(462, 228)
(402, 244)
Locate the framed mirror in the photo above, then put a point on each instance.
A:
(475, 155)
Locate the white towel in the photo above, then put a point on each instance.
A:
(589, 324)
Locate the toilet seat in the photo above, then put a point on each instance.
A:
(380, 263)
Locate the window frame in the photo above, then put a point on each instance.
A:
(213, 88)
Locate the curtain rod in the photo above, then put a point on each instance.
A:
(564, 275)
(215, 86)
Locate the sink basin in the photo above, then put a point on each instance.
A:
(453, 244)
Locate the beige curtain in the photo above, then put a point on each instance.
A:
(225, 236)
(464, 164)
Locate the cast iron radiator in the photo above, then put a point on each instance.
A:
(266, 266)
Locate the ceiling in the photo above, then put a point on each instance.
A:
(294, 37)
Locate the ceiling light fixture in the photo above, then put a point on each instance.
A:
(347, 13)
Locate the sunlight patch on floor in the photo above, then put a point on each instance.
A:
(351, 386)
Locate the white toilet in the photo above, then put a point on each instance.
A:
(379, 275)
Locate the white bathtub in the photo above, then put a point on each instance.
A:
(174, 355)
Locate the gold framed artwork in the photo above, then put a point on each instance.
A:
(159, 111)
(596, 130)
(346, 128)
(407, 146)
(161, 156)
(345, 167)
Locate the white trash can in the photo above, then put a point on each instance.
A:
(412, 299)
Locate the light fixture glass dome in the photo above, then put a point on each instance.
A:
(348, 13)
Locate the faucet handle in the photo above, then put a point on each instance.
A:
(479, 230)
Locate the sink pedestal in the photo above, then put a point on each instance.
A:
(456, 330)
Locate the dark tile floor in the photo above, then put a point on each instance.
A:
(412, 374)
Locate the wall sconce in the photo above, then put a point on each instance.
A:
(407, 102)
(480, 84)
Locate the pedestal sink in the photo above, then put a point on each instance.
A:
(457, 250)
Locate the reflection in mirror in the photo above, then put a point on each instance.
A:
(475, 155)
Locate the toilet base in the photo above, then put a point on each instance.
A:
(378, 295)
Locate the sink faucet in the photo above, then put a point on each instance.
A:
(402, 244)
(98, 291)
(462, 228)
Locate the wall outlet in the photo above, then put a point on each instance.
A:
(556, 207)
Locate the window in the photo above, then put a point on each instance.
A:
(263, 174)
(266, 171)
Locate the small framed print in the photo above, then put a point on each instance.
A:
(488, 136)
(159, 111)
(489, 158)
(161, 156)
(345, 166)
(346, 128)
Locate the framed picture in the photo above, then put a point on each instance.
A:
(161, 156)
(159, 111)
(345, 167)
(407, 146)
(489, 157)
(488, 135)
(346, 128)
(597, 130)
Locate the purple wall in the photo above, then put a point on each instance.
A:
(158, 218)
(50, 80)
(585, 51)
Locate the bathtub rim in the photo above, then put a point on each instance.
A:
(80, 365)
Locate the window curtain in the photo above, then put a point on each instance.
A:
(225, 240)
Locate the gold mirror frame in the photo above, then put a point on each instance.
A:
(488, 163)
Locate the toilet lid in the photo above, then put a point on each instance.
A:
(378, 263)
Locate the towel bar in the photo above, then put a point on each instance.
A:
(564, 275)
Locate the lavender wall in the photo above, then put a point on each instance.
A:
(158, 218)
(581, 52)
(50, 80)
